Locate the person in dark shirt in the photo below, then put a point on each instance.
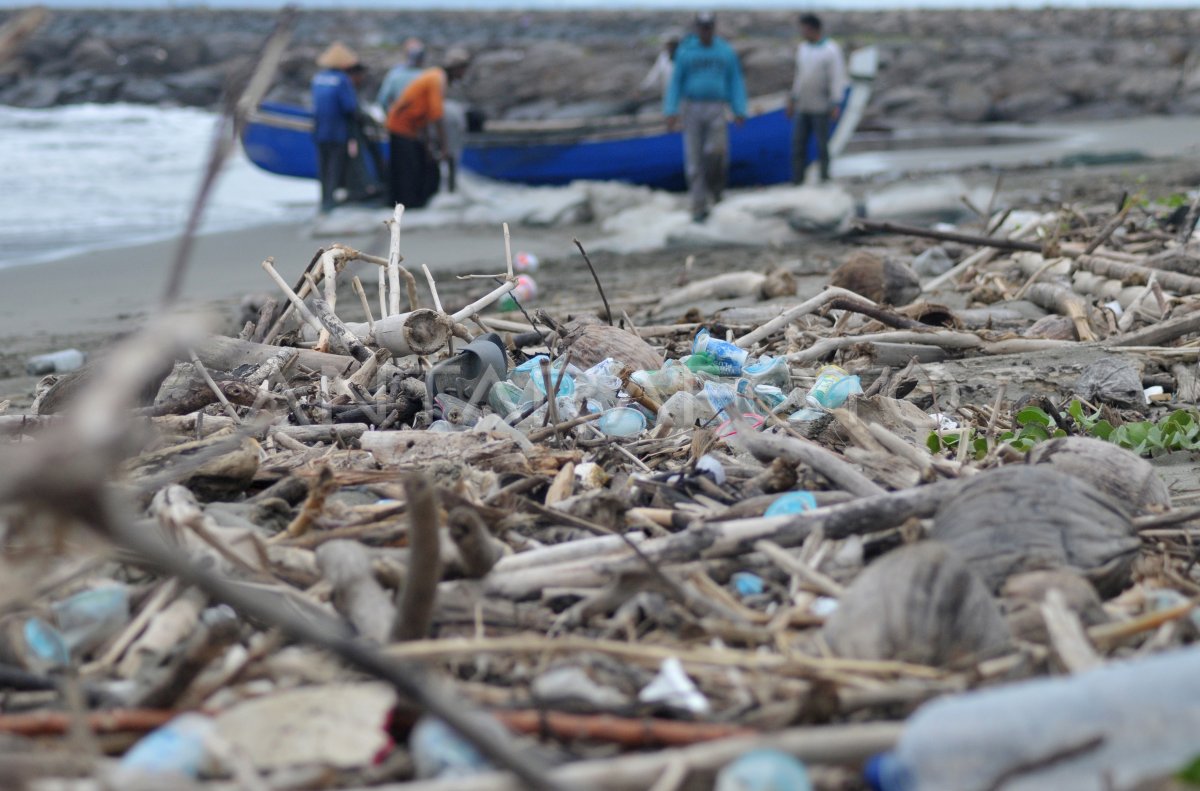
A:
(335, 107)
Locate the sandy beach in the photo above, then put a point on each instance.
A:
(85, 300)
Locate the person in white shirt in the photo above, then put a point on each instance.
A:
(659, 76)
(816, 96)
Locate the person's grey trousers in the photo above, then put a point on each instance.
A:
(705, 152)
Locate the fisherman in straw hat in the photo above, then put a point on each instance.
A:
(418, 132)
(335, 108)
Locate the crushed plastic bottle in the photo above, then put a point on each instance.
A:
(673, 377)
(505, 398)
(772, 371)
(685, 409)
(832, 388)
(55, 362)
(1119, 726)
(720, 396)
(729, 358)
(764, 770)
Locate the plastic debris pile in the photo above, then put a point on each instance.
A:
(731, 533)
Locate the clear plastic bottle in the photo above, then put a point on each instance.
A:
(769, 371)
(1116, 727)
(672, 378)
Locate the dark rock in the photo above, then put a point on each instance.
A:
(34, 92)
(1031, 105)
(93, 54)
(200, 87)
(144, 91)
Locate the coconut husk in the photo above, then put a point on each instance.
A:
(1018, 519)
(1108, 468)
(921, 604)
(1024, 593)
(877, 277)
(591, 342)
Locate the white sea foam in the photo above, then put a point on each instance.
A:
(88, 176)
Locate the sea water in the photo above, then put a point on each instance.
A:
(83, 177)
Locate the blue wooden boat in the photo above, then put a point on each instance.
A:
(632, 149)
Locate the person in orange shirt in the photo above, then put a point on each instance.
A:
(418, 134)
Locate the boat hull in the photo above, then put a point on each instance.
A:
(278, 140)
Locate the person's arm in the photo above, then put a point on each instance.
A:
(737, 88)
(837, 79)
(790, 110)
(655, 75)
(674, 90)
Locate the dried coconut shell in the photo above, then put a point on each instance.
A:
(921, 604)
(1021, 518)
(877, 277)
(591, 342)
(1109, 468)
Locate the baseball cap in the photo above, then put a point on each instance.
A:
(706, 19)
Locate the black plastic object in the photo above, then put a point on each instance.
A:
(470, 374)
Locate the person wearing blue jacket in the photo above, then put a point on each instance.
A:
(335, 106)
(707, 80)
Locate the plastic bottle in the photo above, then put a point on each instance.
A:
(769, 371)
(833, 386)
(55, 362)
(598, 391)
(505, 397)
(1116, 727)
(730, 359)
(521, 375)
(685, 409)
(672, 378)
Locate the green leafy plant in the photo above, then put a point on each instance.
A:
(1179, 430)
(1034, 425)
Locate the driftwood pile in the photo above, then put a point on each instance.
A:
(287, 536)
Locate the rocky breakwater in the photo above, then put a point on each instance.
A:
(943, 66)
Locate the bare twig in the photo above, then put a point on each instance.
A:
(595, 277)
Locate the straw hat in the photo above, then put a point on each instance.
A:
(338, 56)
